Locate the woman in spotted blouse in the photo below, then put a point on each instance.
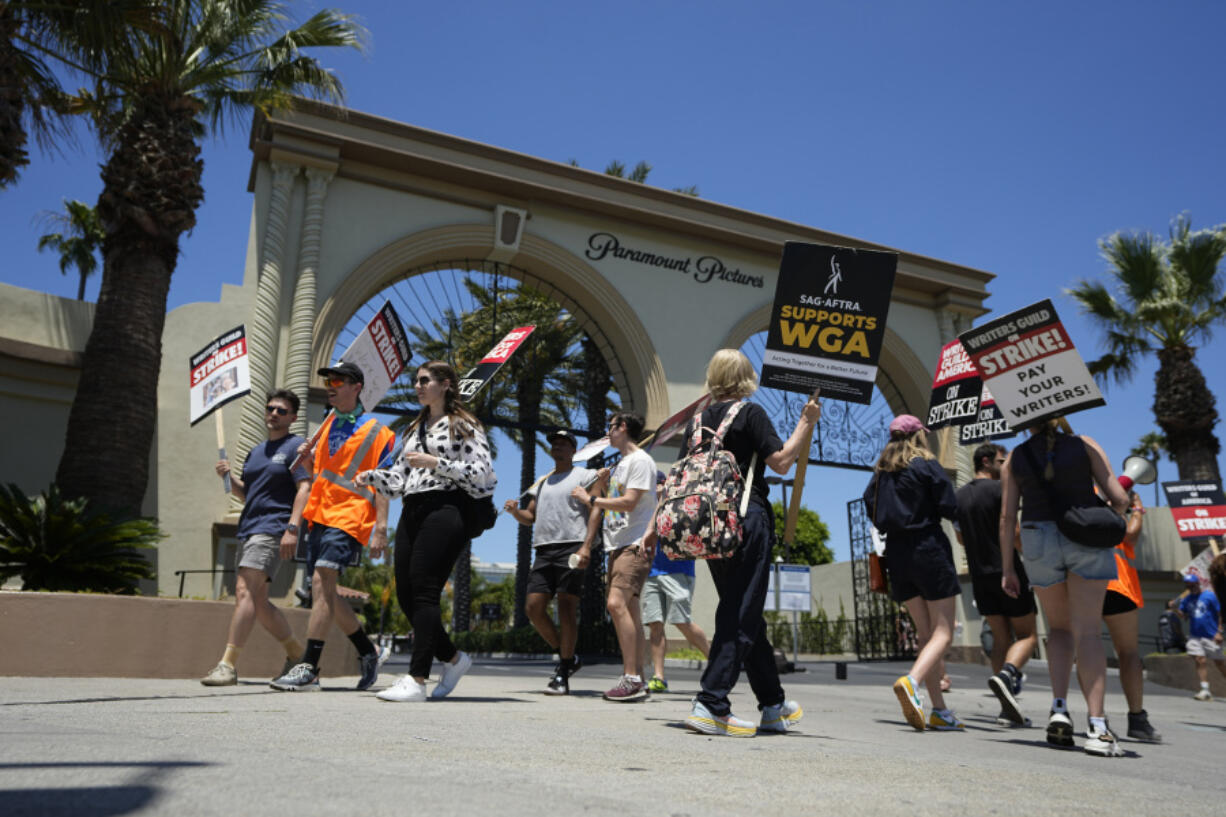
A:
(445, 463)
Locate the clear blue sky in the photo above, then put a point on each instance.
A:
(1010, 138)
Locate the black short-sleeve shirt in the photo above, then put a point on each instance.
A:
(979, 523)
(751, 432)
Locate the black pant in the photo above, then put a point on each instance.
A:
(740, 630)
(429, 539)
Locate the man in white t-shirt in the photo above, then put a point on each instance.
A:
(628, 508)
(559, 526)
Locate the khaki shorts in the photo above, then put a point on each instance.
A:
(260, 551)
(628, 569)
(667, 598)
(1206, 647)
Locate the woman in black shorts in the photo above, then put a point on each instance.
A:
(906, 498)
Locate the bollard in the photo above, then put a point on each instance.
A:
(840, 670)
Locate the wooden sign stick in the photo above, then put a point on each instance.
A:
(221, 450)
(798, 485)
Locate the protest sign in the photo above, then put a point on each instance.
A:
(827, 324)
(1198, 507)
(989, 423)
(217, 374)
(676, 424)
(1028, 361)
(489, 365)
(956, 388)
(382, 352)
(1199, 567)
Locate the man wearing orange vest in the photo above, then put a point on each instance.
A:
(1120, 614)
(343, 516)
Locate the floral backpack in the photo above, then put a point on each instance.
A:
(704, 498)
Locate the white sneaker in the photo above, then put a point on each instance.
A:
(452, 673)
(1203, 695)
(1102, 744)
(405, 690)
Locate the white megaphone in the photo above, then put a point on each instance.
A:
(1137, 471)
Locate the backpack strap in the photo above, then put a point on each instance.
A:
(753, 461)
(726, 423)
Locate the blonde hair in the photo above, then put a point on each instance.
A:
(901, 449)
(730, 375)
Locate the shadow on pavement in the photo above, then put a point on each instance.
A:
(89, 801)
(112, 699)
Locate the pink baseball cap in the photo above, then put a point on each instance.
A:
(907, 424)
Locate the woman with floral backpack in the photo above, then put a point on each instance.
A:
(741, 580)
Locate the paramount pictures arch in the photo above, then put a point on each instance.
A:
(347, 203)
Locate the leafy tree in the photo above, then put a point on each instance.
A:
(31, 99)
(78, 242)
(811, 537)
(54, 543)
(639, 174)
(1151, 446)
(158, 89)
(1165, 297)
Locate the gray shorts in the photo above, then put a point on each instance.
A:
(1050, 556)
(667, 598)
(261, 551)
(1207, 647)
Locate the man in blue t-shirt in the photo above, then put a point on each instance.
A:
(272, 511)
(1201, 609)
(667, 596)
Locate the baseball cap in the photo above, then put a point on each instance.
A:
(344, 369)
(1190, 577)
(907, 424)
(562, 434)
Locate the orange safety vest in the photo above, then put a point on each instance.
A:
(336, 500)
(1127, 583)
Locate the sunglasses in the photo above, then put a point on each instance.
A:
(424, 381)
(276, 410)
(337, 382)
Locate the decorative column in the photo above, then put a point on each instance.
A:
(302, 315)
(265, 321)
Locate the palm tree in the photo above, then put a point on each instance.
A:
(1168, 297)
(158, 91)
(79, 242)
(31, 100)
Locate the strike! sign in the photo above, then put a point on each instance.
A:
(382, 352)
(1198, 506)
(484, 371)
(1028, 361)
(218, 373)
(828, 321)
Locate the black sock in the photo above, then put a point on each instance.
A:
(314, 649)
(359, 639)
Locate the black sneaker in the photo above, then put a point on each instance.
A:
(1001, 685)
(1060, 730)
(575, 664)
(1140, 729)
(558, 684)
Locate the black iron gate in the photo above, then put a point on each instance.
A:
(884, 631)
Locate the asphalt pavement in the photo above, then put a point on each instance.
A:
(82, 746)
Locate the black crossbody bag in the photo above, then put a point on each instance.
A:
(1095, 526)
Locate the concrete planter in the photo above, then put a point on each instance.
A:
(86, 635)
(1179, 671)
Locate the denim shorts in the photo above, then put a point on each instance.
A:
(331, 547)
(1050, 556)
(667, 598)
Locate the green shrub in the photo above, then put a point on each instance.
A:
(522, 640)
(60, 544)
